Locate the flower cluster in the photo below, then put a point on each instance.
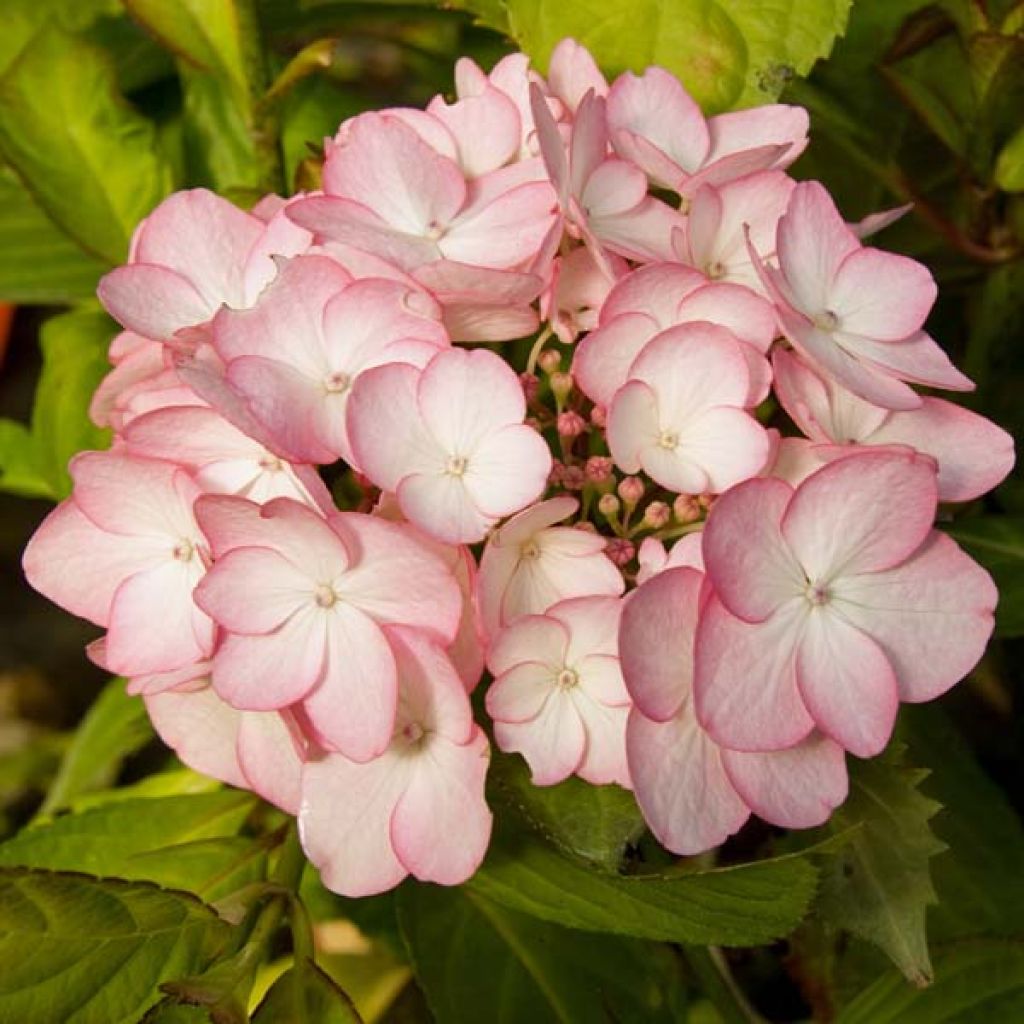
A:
(666, 593)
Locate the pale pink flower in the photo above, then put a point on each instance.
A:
(855, 312)
(972, 453)
(579, 287)
(125, 552)
(449, 441)
(694, 793)
(258, 750)
(832, 603)
(294, 356)
(416, 809)
(302, 600)
(392, 193)
(655, 123)
(192, 254)
(572, 73)
(558, 697)
(653, 557)
(655, 298)
(530, 563)
(681, 416)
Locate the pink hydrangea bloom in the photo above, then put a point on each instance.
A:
(449, 441)
(530, 563)
(302, 601)
(558, 695)
(828, 608)
(416, 809)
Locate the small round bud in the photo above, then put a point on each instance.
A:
(686, 509)
(555, 476)
(561, 385)
(573, 478)
(585, 526)
(657, 515)
(631, 490)
(705, 500)
(530, 383)
(598, 469)
(609, 506)
(620, 551)
(599, 416)
(571, 424)
(549, 360)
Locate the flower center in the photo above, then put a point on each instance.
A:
(325, 596)
(434, 231)
(412, 734)
(669, 440)
(183, 550)
(336, 382)
(270, 463)
(818, 594)
(826, 321)
(530, 550)
(567, 679)
(456, 465)
(715, 270)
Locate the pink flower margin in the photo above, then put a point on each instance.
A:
(318, 644)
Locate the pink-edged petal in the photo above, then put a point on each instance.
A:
(518, 695)
(439, 503)
(748, 562)
(79, 566)
(643, 233)
(656, 291)
(153, 301)
(932, 615)
(680, 783)
(270, 752)
(600, 680)
(345, 821)
(728, 444)
(840, 520)
(154, 624)
(604, 756)
(201, 729)
(974, 455)
(441, 825)
(553, 741)
(813, 241)
(772, 124)
(573, 72)
(633, 425)
(602, 359)
(917, 359)
(592, 623)
(846, 683)
(745, 689)
(656, 641)
(508, 470)
(881, 295)
(353, 706)
(532, 638)
(795, 788)
(254, 590)
(745, 314)
(485, 126)
(552, 145)
(271, 671)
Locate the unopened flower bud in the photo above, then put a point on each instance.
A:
(620, 551)
(561, 385)
(686, 509)
(657, 515)
(571, 424)
(631, 490)
(530, 383)
(555, 476)
(598, 469)
(550, 360)
(585, 526)
(573, 478)
(598, 416)
(609, 506)
(705, 500)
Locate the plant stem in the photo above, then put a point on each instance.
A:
(717, 983)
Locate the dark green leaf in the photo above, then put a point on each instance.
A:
(304, 994)
(106, 172)
(596, 823)
(39, 264)
(879, 886)
(727, 54)
(477, 960)
(976, 982)
(80, 950)
(183, 842)
(736, 906)
(115, 726)
(998, 543)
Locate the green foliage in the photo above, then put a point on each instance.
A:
(477, 960)
(110, 173)
(33, 460)
(305, 994)
(879, 886)
(80, 950)
(115, 726)
(998, 543)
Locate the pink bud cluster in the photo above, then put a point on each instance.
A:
(493, 508)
